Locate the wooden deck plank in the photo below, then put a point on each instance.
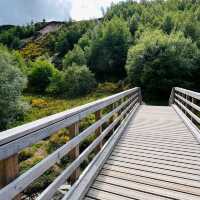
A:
(157, 160)
(157, 157)
(155, 190)
(161, 154)
(154, 175)
(174, 152)
(186, 162)
(153, 181)
(127, 192)
(100, 194)
(159, 145)
(146, 163)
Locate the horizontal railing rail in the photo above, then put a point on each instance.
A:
(14, 140)
(188, 102)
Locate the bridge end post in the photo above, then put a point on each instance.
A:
(9, 170)
(99, 130)
(140, 96)
(171, 99)
(74, 153)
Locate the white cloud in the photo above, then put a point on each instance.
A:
(87, 9)
(24, 11)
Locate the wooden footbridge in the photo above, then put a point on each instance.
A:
(140, 152)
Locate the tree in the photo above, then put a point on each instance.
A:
(168, 24)
(108, 50)
(69, 35)
(42, 71)
(159, 62)
(12, 83)
(134, 21)
(77, 81)
(75, 56)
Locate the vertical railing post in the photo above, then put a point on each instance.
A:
(98, 132)
(140, 96)
(9, 170)
(172, 96)
(186, 104)
(74, 153)
(193, 100)
(112, 118)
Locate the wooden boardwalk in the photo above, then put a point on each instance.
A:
(156, 158)
(139, 152)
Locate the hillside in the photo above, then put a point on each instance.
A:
(48, 67)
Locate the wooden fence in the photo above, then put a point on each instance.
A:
(14, 140)
(187, 104)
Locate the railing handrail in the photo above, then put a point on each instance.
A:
(23, 136)
(68, 117)
(185, 103)
(191, 93)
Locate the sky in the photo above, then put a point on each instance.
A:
(19, 12)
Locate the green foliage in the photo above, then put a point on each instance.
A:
(19, 61)
(108, 88)
(31, 51)
(159, 62)
(168, 24)
(12, 36)
(108, 50)
(42, 71)
(76, 56)
(69, 35)
(12, 83)
(77, 81)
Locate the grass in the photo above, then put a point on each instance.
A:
(42, 106)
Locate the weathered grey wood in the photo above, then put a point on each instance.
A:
(155, 164)
(174, 156)
(154, 180)
(99, 130)
(154, 175)
(95, 193)
(74, 153)
(51, 189)
(195, 117)
(190, 93)
(171, 99)
(127, 192)
(156, 157)
(80, 188)
(189, 103)
(28, 177)
(194, 129)
(25, 135)
(150, 188)
(176, 161)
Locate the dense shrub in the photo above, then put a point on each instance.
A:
(108, 50)
(12, 83)
(108, 88)
(41, 74)
(70, 34)
(32, 50)
(159, 62)
(77, 81)
(76, 56)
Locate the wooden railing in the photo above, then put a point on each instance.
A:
(188, 102)
(14, 140)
